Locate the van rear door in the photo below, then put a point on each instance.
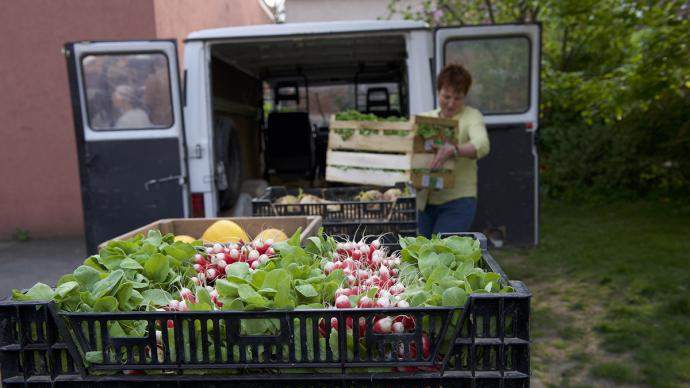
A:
(504, 63)
(129, 134)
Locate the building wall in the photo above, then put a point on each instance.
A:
(297, 11)
(177, 18)
(39, 181)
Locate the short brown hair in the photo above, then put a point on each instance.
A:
(454, 76)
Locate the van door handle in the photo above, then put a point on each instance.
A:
(149, 183)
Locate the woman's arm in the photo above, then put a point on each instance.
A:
(477, 147)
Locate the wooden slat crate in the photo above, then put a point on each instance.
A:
(384, 152)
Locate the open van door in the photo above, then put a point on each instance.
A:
(129, 133)
(504, 61)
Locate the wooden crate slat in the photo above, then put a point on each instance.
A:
(369, 160)
(436, 121)
(370, 143)
(446, 178)
(424, 161)
(366, 177)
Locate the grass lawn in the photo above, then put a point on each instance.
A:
(611, 298)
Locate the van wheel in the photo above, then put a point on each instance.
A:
(232, 165)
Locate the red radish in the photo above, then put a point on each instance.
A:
(263, 259)
(174, 305)
(329, 267)
(171, 324)
(220, 256)
(211, 274)
(234, 254)
(347, 271)
(199, 259)
(255, 264)
(362, 275)
(209, 250)
(397, 288)
(253, 255)
(398, 327)
(343, 302)
(258, 244)
(270, 251)
(351, 279)
(186, 294)
(222, 264)
(383, 302)
(198, 267)
(365, 303)
(210, 289)
(217, 248)
(269, 242)
(196, 280)
(183, 306)
(403, 304)
(227, 268)
(384, 273)
(383, 325)
(356, 255)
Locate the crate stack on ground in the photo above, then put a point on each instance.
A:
(384, 152)
(484, 343)
(343, 214)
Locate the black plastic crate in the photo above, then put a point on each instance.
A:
(342, 209)
(482, 344)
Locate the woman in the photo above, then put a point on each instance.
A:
(452, 209)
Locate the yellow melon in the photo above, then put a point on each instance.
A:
(274, 234)
(184, 238)
(224, 231)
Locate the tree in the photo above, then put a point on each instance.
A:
(614, 73)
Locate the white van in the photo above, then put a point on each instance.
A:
(253, 102)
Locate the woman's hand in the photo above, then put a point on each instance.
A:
(443, 153)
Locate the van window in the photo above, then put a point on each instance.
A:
(127, 91)
(326, 100)
(500, 69)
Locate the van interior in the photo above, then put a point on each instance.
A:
(273, 99)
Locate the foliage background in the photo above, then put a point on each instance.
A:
(615, 98)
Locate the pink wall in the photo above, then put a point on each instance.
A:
(39, 181)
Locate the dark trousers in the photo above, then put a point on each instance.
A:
(450, 217)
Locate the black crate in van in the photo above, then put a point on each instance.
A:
(484, 343)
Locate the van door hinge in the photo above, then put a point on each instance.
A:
(179, 178)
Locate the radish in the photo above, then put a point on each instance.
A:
(253, 255)
(174, 305)
(263, 259)
(384, 273)
(383, 325)
(255, 264)
(397, 288)
(183, 306)
(209, 289)
(329, 267)
(220, 256)
(362, 275)
(234, 254)
(376, 244)
(270, 251)
(351, 279)
(222, 264)
(227, 268)
(269, 242)
(217, 248)
(186, 294)
(196, 280)
(198, 267)
(356, 254)
(343, 302)
(202, 277)
(209, 250)
(398, 327)
(211, 274)
(383, 302)
(403, 304)
(199, 259)
(365, 302)
(341, 291)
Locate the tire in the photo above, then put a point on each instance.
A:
(229, 153)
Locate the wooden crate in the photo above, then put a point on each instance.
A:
(195, 227)
(421, 144)
(383, 159)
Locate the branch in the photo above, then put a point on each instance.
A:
(491, 11)
(452, 12)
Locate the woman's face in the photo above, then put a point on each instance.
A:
(450, 101)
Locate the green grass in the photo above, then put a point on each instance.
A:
(623, 270)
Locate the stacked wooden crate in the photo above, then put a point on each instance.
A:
(385, 152)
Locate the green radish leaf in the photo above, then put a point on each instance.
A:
(203, 296)
(268, 292)
(156, 297)
(454, 297)
(105, 286)
(105, 304)
(87, 276)
(226, 289)
(157, 267)
(239, 270)
(294, 240)
(66, 288)
(183, 252)
(258, 278)
(232, 304)
(130, 264)
(111, 257)
(283, 299)
(153, 237)
(307, 290)
(64, 279)
(251, 297)
(92, 262)
(199, 307)
(39, 291)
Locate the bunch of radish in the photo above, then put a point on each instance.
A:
(212, 265)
